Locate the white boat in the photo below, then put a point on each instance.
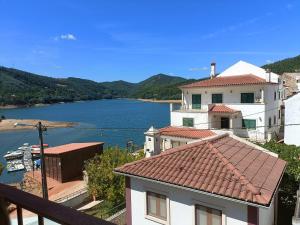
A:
(24, 147)
(13, 155)
(15, 165)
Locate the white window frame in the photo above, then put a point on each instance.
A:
(153, 218)
(209, 205)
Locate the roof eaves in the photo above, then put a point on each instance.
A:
(195, 190)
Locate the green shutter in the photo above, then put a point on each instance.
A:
(217, 98)
(188, 122)
(249, 124)
(196, 101)
(247, 97)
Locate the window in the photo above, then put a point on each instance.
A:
(270, 122)
(247, 97)
(187, 122)
(208, 216)
(196, 101)
(274, 120)
(279, 114)
(157, 205)
(248, 124)
(274, 95)
(217, 98)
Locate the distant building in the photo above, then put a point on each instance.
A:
(66, 162)
(296, 217)
(157, 141)
(217, 181)
(292, 118)
(244, 100)
(291, 83)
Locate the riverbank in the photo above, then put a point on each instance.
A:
(22, 106)
(10, 124)
(159, 101)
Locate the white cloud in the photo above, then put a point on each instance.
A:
(69, 37)
(198, 69)
(269, 61)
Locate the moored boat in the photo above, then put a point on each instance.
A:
(13, 155)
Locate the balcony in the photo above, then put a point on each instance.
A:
(44, 209)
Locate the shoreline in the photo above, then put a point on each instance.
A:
(42, 104)
(158, 101)
(9, 124)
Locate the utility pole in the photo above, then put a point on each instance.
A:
(42, 128)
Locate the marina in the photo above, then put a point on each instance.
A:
(22, 159)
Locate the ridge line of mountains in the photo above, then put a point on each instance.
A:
(18, 87)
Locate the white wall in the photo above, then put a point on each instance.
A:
(181, 205)
(243, 68)
(292, 116)
(268, 107)
(200, 119)
(231, 94)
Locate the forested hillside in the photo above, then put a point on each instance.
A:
(22, 88)
(289, 65)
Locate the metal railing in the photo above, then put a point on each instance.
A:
(45, 208)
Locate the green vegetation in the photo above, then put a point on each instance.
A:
(289, 65)
(22, 88)
(103, 183)
(1, 168)
(290, 180)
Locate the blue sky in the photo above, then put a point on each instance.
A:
(133, 39)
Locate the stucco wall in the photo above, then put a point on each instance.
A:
(292, 116)
(182, 203)
(260, 111)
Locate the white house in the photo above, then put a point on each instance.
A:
(292, 118)
(157, 141)
(221, 180)
(244, 99)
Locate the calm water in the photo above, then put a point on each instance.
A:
(90, 114)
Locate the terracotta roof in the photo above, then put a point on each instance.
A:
(68, 147)
(222, 166)
(220, 108)
(186, 132)
(248, 79)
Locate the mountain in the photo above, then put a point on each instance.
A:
(18, 87)
(289, 65)
(160, 86)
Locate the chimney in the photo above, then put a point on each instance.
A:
(268, 75)
(212, 70)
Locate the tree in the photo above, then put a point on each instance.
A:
(1, 168)
(103, 183)
(290, 181)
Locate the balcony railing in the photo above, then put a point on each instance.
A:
(46, 209)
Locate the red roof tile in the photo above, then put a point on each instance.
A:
(222, 166)
(248, 79)
(186, 132)
(69, 147)
(219, 108)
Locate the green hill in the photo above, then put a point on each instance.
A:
(23, 88)
(289, 65)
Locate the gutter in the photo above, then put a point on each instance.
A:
(200, 192)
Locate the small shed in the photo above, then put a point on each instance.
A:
(66, 162)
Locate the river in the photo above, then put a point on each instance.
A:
(90, 115)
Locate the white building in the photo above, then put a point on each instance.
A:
(244, 99)
(157, 141)
(222, 180)
(292, 118)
